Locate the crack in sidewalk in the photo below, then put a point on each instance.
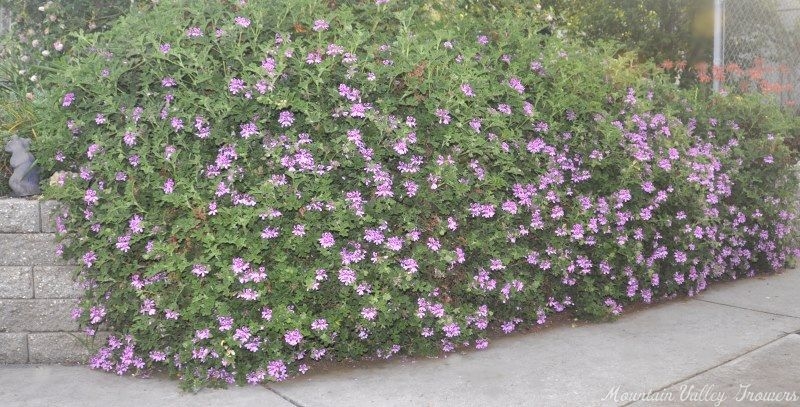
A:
(748, 309)
(287, 398)
(715, 366)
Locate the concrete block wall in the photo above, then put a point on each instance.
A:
(36, 288)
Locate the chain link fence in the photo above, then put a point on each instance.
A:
(761, 48)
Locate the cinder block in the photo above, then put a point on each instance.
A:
(15, 282)
(48, 211)
(29, 250)
(55, 282)
(13, 348)
(45, 315)
(58, 347)
(19, 216)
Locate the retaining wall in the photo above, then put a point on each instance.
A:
(36, 288)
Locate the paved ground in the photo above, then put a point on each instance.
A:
(736, 345)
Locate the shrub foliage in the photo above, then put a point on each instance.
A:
(250, 188)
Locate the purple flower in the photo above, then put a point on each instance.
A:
(347, 276)
(89, 258)
(169, 186)
(176, 123)
(169, 151)
(90, 197)
(443, 115)
(239, 265)
(68, 99)
(517, 85)
(409, 265)
(434, 244)
(241, 21)
(452, 224)
(318, 353)
(451, 330)
(256, 377)
(129, 138)
(165, 47)
(616, 308)
(483, 40)
(124, 243)
(242, 334)
(678, 277)
(194, 32)
(326, 240)
(411, 188)
(369, 313)
(319, 325)
(334, 49)
(168, 82)
(148, 307)
(476, 123)
(286, 118)
(247, 130)
(293, 337)
(269, 65)
(96, 314)
(320, 25)
(467, 89)
(248, 294)
(496, 264)
(314, 58)
(394, 243)
(277, 370)
(236, 85)
(158, 356)
(510, 207)
(270, 232)
(201, 334)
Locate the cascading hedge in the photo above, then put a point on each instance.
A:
(254, 187)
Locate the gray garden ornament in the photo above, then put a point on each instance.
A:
(25, 179)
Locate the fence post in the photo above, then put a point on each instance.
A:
(718, 40)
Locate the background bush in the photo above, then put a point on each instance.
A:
(255, 187)
(32, 34)
(655, 29)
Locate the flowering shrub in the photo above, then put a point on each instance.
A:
(254, 187)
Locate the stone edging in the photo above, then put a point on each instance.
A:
(36, 288)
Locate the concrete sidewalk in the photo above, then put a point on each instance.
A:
(736, 344)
